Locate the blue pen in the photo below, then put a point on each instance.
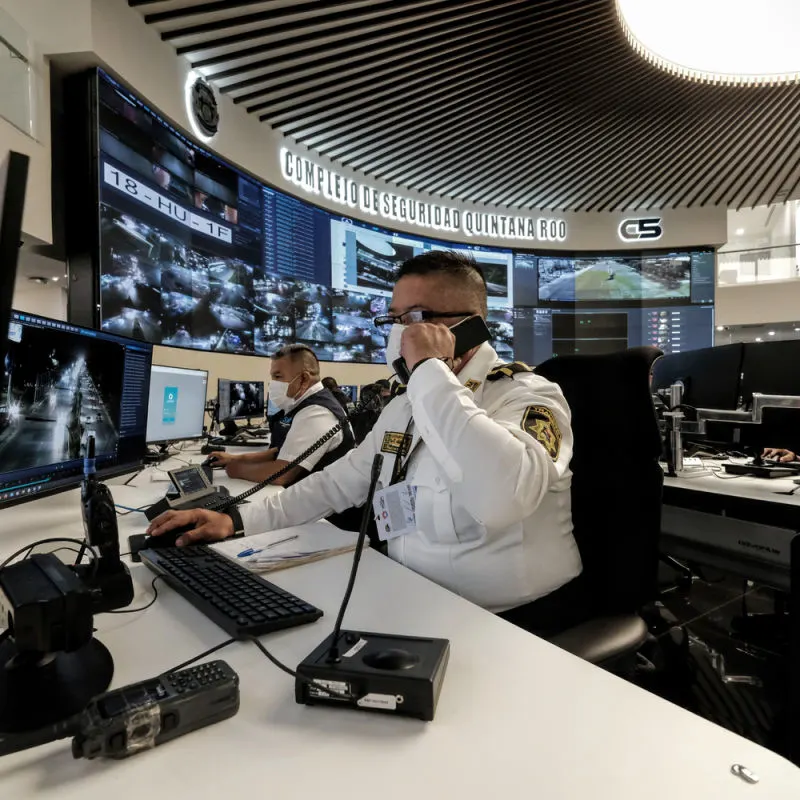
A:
(251, 551)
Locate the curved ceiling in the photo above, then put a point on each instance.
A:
(520, 103)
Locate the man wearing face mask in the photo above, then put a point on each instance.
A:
(307, 411)
(476, 453)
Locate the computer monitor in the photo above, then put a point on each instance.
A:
(770, 368)
(177, 406)
(13, 182)
(62, 384)
(240, 399)
(350, 390)
(711, 375)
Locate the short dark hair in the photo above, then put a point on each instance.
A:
(458, 266)
(299, 353)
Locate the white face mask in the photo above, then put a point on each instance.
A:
(278, 394)
(393, 343)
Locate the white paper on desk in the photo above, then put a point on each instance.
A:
(315, 541)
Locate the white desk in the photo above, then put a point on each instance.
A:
(738, 524)
(517, 717)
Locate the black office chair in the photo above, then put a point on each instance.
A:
(616, 498)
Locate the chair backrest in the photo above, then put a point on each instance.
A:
(617, 481)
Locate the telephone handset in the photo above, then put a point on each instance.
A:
(469, 333)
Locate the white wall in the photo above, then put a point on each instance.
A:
(754, 303)
(49, 300)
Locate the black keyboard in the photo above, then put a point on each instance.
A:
(241, 603)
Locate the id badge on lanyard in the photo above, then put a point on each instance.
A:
(395, 505)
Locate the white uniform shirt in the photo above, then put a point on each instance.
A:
(308, 425)
(493, 505)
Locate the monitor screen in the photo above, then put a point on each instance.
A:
(542, 333)
(240, 399)
(684, 278)
(61, 385)
(177, 405)
(710, 376)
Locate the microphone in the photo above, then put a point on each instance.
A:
(383, 672)
(377, 464)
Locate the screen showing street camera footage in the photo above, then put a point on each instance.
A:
(240, 399)
(195, 253)
(62, 385)
(634, 277)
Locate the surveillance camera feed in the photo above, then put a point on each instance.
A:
(61, 386)
(194, 253)
(615, 278)
(240, 399)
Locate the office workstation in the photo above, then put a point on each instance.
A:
(229, 549)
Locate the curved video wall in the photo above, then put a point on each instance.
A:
(195, 253)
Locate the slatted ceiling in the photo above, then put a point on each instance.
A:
(519, 103)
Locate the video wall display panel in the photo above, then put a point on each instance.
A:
(195, 253)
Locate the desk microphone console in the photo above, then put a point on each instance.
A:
(399, 675)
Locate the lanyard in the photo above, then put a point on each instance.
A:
(400, 467)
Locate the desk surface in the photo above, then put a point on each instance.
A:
(517, 716)
(744, 486)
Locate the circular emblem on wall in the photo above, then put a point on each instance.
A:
(204, 107)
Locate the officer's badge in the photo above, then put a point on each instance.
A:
(540, 422)
(473, 385)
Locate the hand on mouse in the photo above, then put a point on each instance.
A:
(209, 526)
(778, 454)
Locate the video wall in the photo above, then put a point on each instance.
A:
(194, 253)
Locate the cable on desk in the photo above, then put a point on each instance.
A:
(141, 608)
(302, 678)
(203, 655)
(56, 539)
(130, 510)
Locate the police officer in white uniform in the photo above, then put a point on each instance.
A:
(487, 447)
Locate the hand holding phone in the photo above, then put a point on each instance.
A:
(466, 335)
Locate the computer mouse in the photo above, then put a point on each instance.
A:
(393, 658)
(213, 463)
(142, 541)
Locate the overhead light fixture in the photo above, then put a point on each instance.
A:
(38, 279)
(55, 278)
(720, 328)
(706, 41)
(739, 231)
(758, 339)
(797, 330)
(771, 333)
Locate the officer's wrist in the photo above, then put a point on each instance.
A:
(236, 519)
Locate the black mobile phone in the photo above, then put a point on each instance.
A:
(469, 333)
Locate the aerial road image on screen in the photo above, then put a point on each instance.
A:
(614, 278)
(54, 398)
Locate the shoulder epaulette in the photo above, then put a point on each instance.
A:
(397, 388)
(508, 370)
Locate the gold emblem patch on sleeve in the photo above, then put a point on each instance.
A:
(394, 442)
(540, 422)
(472, 385)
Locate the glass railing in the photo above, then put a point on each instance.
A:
(20, 84)
(758, 265)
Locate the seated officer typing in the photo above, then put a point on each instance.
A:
(307, 411)
(485, 446)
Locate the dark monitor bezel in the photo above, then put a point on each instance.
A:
(202, 434)
(720, 365)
